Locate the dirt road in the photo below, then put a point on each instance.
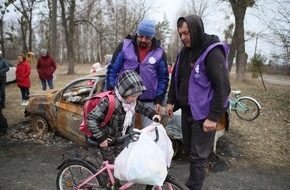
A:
(31, 166)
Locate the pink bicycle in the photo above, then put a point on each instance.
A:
(82, 174)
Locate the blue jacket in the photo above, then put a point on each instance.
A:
(153, 69)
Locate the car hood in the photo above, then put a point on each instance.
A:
(50, 92)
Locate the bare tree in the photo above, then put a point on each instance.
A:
(69, 30)
(279, 26)
(198, 7)
(53, 28)
(3, 9)
(25, 8)
(238, 41)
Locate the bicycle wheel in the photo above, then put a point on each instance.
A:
(73, 172)
(169, 183)
(247, 109)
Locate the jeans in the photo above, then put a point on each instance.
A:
(25, 93)
(49, 82)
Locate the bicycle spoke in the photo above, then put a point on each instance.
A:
(246, 109)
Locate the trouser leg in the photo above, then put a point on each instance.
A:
(43, 83)
(50, 83)
(3, 122)
(22, 93)
(111, 152)
(3, 94)
(200, 144)
(27, 93)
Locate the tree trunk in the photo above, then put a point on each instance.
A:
(69, 33)
(232, 53)
(239, 10)
(2, 42)
(53, 30)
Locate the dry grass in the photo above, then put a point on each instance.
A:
(263, 143)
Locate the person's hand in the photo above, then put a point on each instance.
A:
(157, 117)
(158, 109)
(169, 110)
(105, 143)
(209, 125)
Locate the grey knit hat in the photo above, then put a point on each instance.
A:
(129, 83)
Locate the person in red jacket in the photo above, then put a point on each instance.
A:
(45, 67)
(22, 78)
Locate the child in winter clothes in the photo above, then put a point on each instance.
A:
(128, 88)
(22, 78)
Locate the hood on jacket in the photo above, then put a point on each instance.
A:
(198, 38)
(129, 83)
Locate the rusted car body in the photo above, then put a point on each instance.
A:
(61, 110)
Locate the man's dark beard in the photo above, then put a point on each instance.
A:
(143, 44)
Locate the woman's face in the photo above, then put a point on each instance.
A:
(20, 59)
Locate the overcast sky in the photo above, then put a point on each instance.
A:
(215, 22)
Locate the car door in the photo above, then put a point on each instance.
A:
(69, 107)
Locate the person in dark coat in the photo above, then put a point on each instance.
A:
(4, 67)
(3, 120)
(23, 78)
(46, 66)
(200, 86)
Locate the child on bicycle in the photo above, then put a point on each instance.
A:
(128, 88)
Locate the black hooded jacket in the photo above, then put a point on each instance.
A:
(216, 69)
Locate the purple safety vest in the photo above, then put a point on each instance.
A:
(147, 67)
(200, 93)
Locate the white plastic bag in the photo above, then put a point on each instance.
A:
(163, 141)
(141, 162)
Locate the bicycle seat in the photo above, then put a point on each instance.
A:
(236, 92)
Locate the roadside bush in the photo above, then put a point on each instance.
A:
(257, 65)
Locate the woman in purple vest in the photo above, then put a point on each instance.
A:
(142, 54)
(200, 87)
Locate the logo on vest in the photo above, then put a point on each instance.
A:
(197, 75)
(152, 60)
(196, 69)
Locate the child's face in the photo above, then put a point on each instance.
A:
(131, 98)
(20, 59)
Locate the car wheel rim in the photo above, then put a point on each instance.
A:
(40, 125)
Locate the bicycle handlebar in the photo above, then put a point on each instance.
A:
(133, 135)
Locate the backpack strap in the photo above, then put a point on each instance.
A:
(111, 108)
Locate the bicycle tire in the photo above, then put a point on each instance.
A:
(169, 181)
(246, 109)
(73, 172)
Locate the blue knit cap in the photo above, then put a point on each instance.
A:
(146, 28)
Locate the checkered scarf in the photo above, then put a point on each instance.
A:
(129, 109)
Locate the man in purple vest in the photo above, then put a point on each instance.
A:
(200, 87)
(143, 54)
